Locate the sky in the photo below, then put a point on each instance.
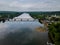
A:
(29, 5)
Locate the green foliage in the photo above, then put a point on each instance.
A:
(57, 38)
(54, 29)
(4, 14)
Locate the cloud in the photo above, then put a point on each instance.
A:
(30, 5)
(20, 5)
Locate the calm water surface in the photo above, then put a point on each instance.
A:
(22, 33)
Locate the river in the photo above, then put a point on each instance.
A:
(22, 33)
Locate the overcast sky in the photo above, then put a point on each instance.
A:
(29, 5)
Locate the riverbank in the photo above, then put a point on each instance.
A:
(51, 39)
(41, 29)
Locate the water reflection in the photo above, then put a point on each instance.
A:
(22, 33)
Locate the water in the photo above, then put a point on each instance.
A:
(22, 33)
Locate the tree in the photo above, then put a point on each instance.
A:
(54, 29)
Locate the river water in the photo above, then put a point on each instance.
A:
(22, 33)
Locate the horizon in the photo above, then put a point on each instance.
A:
(29, 11)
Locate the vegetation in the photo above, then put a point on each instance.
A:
(11, 14)
(54, 31)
